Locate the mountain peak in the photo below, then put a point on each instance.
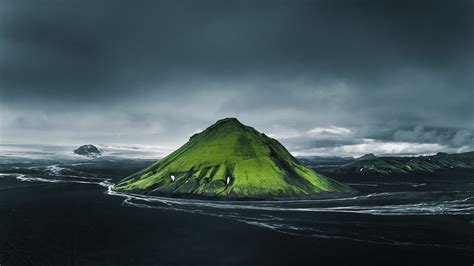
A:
(368, 156)
(88, 150)
(229, 125)
(227, 121)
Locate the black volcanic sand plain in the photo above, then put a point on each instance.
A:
(59, 213)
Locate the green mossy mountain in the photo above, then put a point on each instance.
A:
(229, 160)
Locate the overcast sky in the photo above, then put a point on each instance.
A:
(324, 77)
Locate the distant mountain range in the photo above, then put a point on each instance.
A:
(389, 166)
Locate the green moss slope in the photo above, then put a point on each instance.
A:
(230, 160)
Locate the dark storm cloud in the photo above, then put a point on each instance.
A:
(387, 70)
(447, 136)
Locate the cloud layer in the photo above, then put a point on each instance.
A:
(321, 76)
